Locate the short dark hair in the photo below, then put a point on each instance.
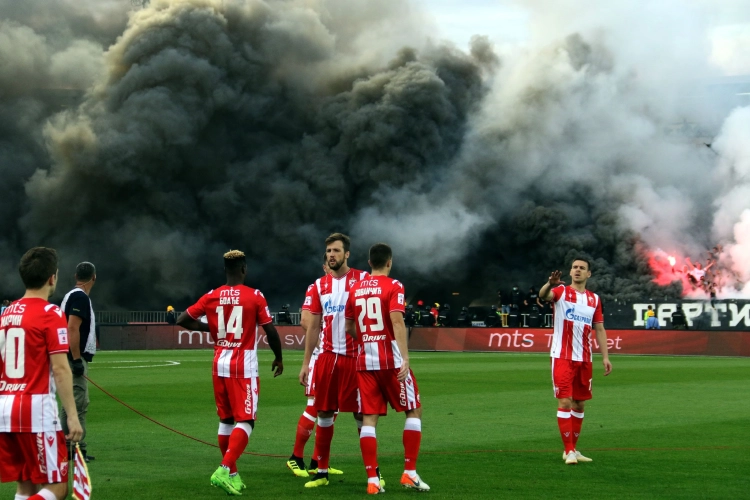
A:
(344, 239)
(582, 259)
(234, 261)
(380, 254)
(36, 267)
(85, 271)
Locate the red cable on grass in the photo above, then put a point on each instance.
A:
(452, 452)
(169, 428)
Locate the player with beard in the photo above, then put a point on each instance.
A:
(334, 378)
(33, 367)
(234, 313)
(577, 312)
(375, 317)
(296, 462)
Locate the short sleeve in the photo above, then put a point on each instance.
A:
(263, 315)
(315, 306)
(598, 313)
(557, 292)
(396, 303)
(308, 298)
(56, 331)
(199, 308)
(78, 304)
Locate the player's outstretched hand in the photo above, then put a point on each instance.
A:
(554, 278)
(607, 367)
(277, 367)
(404, 371)
(75, 431)
(303, 375)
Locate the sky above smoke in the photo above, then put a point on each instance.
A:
(151, 140)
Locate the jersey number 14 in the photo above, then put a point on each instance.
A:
(233, 325)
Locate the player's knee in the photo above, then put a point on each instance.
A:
(247, 426)
(325, 421)
(60, 490)
(578, 405)
(565, 403)
(415, 413)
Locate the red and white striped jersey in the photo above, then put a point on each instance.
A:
(30, 331)
(370, 305)
(234, 314)
(575, 314)
(328, 298)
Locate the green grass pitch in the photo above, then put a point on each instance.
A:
(658, 427)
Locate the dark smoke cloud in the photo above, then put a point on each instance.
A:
(210, 125)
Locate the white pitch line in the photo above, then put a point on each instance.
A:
(168, 363)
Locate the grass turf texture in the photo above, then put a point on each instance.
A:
(658, 427)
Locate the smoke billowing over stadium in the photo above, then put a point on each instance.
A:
(203, 125)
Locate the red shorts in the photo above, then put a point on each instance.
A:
(378, 387)
(310, 387)
(572, 379)
(236, 398)
(335, 383)
(37, 456)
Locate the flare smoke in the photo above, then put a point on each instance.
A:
(202, 125)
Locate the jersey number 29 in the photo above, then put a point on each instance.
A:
(12, 351)
(370, 307)
(233, 325)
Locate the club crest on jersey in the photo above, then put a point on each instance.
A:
(573, 315)
(352, 282)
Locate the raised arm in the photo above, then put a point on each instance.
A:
(545, 293)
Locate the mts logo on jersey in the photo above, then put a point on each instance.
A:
(229, 297)
(332, 309)
(584, 314)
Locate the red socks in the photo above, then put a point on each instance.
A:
(369, 446)
(412, 440)
(566, 429)
(225, 430)
(237, 444)
(304, 430)
(576, 420)
(323, 438)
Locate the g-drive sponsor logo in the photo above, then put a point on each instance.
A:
(574, 315)
(228, 345)
(332, 309)
(4, 386)
(372, 338)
